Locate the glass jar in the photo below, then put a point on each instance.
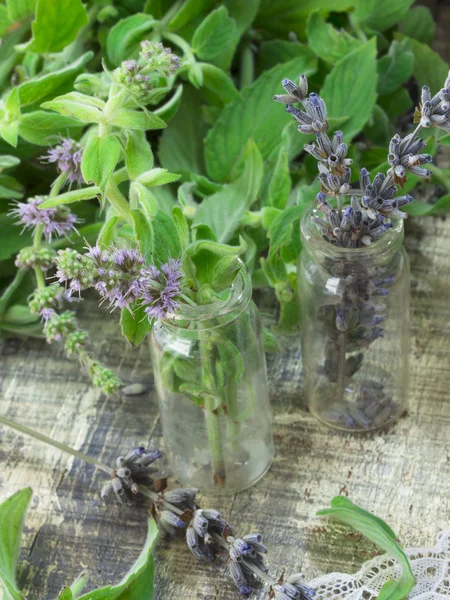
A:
(355, 328)
(210, 376)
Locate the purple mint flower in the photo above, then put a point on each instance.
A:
(58, 220)
(160, 289)
(47, 313)
(67, 155)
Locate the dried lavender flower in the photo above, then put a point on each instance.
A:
(67, 155)
(402, 158)
(55, 221)
(131, 471)
(293, 588)
(203, 532)
(245, 561)
(294, 93)
(434, 111)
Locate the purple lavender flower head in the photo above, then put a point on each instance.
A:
(55, 221)
(161, 288)
(67, 156)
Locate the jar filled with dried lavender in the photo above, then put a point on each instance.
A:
(211, 379)
(355, 326)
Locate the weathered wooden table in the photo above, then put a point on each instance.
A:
(402, 473)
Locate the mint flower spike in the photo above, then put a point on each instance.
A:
(67, 155)
(54, 221)
(159, 58)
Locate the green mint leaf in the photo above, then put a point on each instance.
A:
(274, 52)
(84, 108)
(124, 37)
(134, 119)
(346, 95)
(213, 33)
(396, 104)
(182, 226)
(395, 68)
(219, 82)
(419, 24)
(18, 9)
(283, 16)
(107, 232)
(378, 129)
(216, 248)
(138, 582)
(328, 43)
(195, 75)
(56, 25)
(225, 271)
(182, 143)
(135, 325)
(8, 55)
(280, 183)
(42, 128)
(138, 154)
(166, 242)
(223, 211)
(282, 227)
(65, 594)
(71, 197)
(144, 233)
(9, 123)
(100, 158)
(8, 162)
(168, 110)
(37, 89)
(289, 320)
(189, 10)
(140, 195)
(271, 343)
(19, 314)
(255, 116)
(79, 584)
(157, 176)
(10, 188)
(12, 238)
(12, 514)
(376, 530)
(429, 68)
(381, 14)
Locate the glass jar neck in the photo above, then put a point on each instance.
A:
(219, 312)
(380, 252)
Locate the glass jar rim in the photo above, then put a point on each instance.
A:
(311, 234)
(238, 298)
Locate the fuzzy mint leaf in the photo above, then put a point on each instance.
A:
(138, 154)
(124, 37)
(12, 514)
(274, 52)
(429, 68)
(42, 128)
(127, 118)
(56, 25)
(380, 15)
(280, 183)
(18, 9)
(223, 211)
(100, 157)
(346, 95)
(395, 68)
(419, 24)
(376, 530)
(219, 82)
(144, 233)
(189, 10)
(328, 43)
(213, 33)
(138, 582)
(79, 106)
(135, 325)
(255, 116)
(72, 196)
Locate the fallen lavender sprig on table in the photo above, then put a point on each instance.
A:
(356, 216)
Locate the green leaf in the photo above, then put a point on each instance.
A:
(100, 158)
(395, 68)
(84, 108)
(12, 514)
(181, 145)
(106, 234)
(378, 130)
(166, 241)
(43, 128)
(219, 82)
(274, 52)
(135, 325)
(256, 116)
(381, 14)
(280, 183)
(376, 530)
(419, 24)
(213, 33)
(133, 119)
(168, 110)
(271, 343)
(216, 248)
(8, 162)
(182, 226)
(18, 9)
(419, 209)
(157, 176)
(12, 238)
(72, 196)
(138, 154)
(65, 594)
(429, 68)
(19, 314)
(144, 233)
(347, 95)
(124, 37)
(189, 10)
(9, 125)
(38, 88)
(396, 104)
(79, 584)
(138, 582)
(328, 43)
(10, 188)
(56, 25)
(223, 211)
(282, 227)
